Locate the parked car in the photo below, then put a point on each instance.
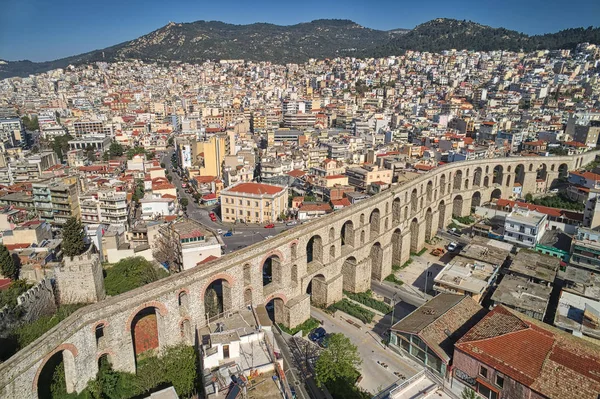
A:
(554, 191)
(228, 234)
(317, 334)
(323, 341)
(292, 223)
(219, 231)
(452, 247)
(293, 392)
(269, 226)
(267, 237)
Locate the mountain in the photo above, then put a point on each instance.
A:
(325, 38)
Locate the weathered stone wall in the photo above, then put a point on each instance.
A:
(391, 213)
(80, 280)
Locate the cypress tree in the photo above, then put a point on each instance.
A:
(73, 238)
(7, 264)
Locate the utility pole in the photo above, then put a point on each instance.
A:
(426, 275)
(392, 323)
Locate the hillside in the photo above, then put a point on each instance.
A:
(326, 38)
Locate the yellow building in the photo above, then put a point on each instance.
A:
(211, 152)
(253, 202)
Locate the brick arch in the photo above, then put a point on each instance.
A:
(62, 347)
(105, 352)
(275, 296)
(96, 324)
(219, 276)
(162, 310)
(271, 253)
(186, 290)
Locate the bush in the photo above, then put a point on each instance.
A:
(362, 314)
(131, 273)
(9, 296)
(464, 219)
(393, 279)
(560, 201)
(28, 333)
(366, 299)
(306, 327)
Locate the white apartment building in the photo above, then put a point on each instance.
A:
(157, 207)
(113, 207)
(524, 227)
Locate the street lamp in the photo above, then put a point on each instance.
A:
(392, 323)
(426, 275)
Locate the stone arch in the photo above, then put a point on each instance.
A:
(498, 175)
(362, 237)
(159, 306)
(144, 332)
(414, 202)
(295, 274)
(429, 224)
(347, 234)
(520, 174)
(429, 191)
(376, 256)
(486, 181)
(487, 169)
(331, 253)
(441, 215)
(217, 298)
(508, 181)
(65, 354)
(406, 212)
(317, 289)
(476, 199)
(397, 247)
(477, 177)
(294, 249)
(272, 270)
(508, 169)
(276, 310)
(396, 211)
(496, 194)
(414, 236)
(466, 183)
(387, 208)
(248, 296)
(457, 205)
(106, 356)
(563, 171)
(185, 331)
(531, 167)
(386, 224)
(442, 184)
(374, 221)
(362, 218)
(183, 301)
(247, 274)
(457, 180)
(542, 173)
(314, 249)
(331, 234)
(552, 167)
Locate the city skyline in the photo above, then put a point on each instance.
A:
(65, 28)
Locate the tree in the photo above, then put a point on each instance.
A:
(211, 302)
(115, 150)
(184, 202)
(130, 273)
(138, 192)
(60, 145)
(164, 252)
(73, 238)
(9, 268)
(340, 361)
(528, 197)
(162, 165)
(468, 393)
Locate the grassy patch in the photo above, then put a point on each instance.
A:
(362, 314)
(464, 219)
(560, 201)
(393, 279)
(366, 298)
(131, 273)
(306, 327)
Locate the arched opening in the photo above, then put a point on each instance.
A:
(349, 277)
(397, 247)
(295, 274)
(317, 289)
(271, 270)
(248, 274)
(331, 234)
(476, 199)
(443, 185)
(508, 181)
(429, 191)
(248, 297)
(57, 377)
(520, 174)
(531, 167)
(374, 221)
(487, 169)
(347, 234)
(414, 202)
(406, 212)
(477, 177)
(414, 236)
(314, 250)
(362, 237)
(466, 184)
(376, 256)
(396, 211)
(486, 181)
(104, 361)
(552, 167)
(386, 225)
(362, 219)
(294, 250)
(457, 206)
(496, 194)
(100, 334)
(387, 208)
(498, 175)
(457, 180)
(144, 332)
(428, 224)
(441, 215)
(331, 253)
(185, 330)
(563, 171)
(183, 300)
(275, 310)
(542, 173)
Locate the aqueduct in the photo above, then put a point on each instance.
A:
(312, 262)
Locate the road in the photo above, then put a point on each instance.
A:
(371, 350)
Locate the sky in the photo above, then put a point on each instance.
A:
(42, 30)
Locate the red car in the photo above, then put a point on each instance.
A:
(270, 226)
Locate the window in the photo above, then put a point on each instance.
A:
(248, 203)
(255, 214)
(255, 203)
(486, 392)
(500, 380)
(483, 371)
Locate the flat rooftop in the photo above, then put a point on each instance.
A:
(466, 274)
(536, 265)
(519, 293)
(581, 282)
(578, 314)
(422, 385)
(487, 250)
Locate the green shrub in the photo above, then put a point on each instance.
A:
(362, 314)
(305, 327)
(10, 295)
(464, 219)
(393, 279)
(28, 333)
(131, 273)
(366, 299)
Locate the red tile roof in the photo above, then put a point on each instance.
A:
(556, 212)
(549, 361)
(255, 188)
(296, 173)
(341, 202)
(5, 283)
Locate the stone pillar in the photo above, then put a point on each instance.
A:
(552, 176)
(357, 277)
(333, 291)
(405, 247)
(297, 311)
(529, 183)
(380, 262)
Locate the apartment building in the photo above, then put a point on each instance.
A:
(253, 202)
(585, 249)
(65, 201)
(113, 207)
(86, 127)
(89, 208)
(525, 227)
(98, 142)
(362, 177)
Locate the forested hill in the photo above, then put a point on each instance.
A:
(326, 38)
